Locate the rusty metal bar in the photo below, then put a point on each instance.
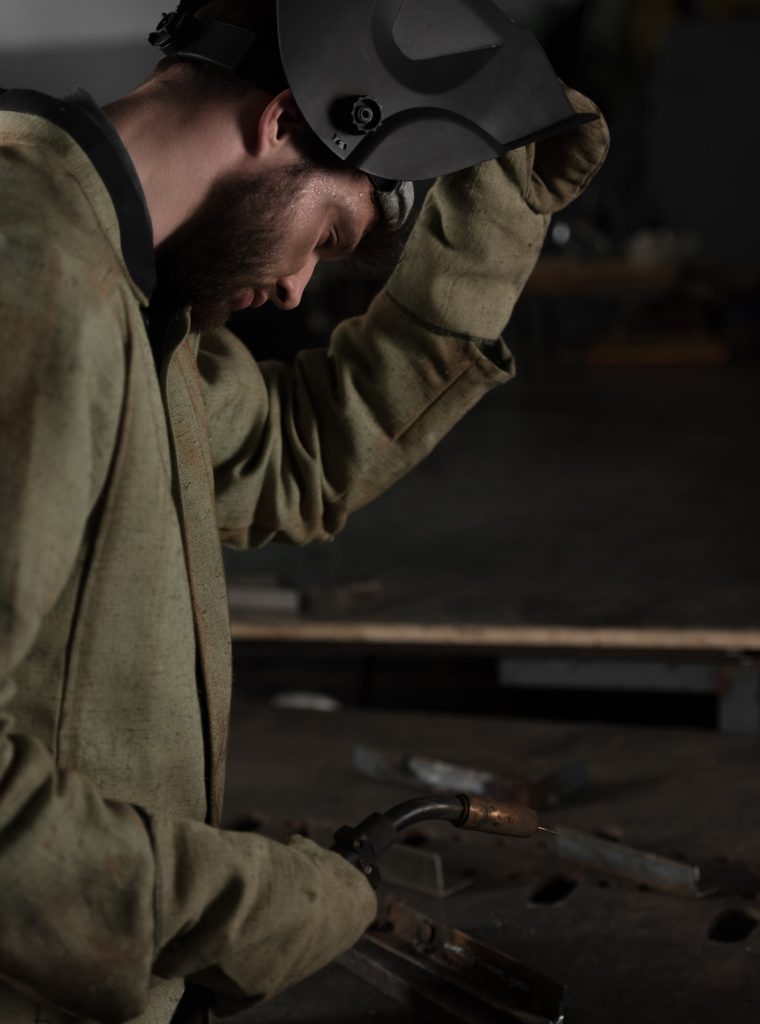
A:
(473, 981)
(427, 996)
(422, 993)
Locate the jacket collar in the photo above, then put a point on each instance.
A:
(87, 125)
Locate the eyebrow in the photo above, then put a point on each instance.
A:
(350, 237)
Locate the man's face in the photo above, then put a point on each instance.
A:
(259, 239)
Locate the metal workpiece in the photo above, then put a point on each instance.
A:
(429, 871)
(484, 815)
(539, 790)
(627, 955)
(450, 976)
(665, 874)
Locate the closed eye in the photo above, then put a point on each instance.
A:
(334, 248)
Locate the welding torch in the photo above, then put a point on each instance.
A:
(362, 846)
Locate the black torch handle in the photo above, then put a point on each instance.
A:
(362, 846)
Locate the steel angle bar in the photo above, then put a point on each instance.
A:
(421, 869)
(464, 979)
(663, 873)
(441, 776)
(427, 996)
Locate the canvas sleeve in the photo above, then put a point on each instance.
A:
(98, 896)
(298, 448)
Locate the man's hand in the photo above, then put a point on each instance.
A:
(562, 167)
(481, 231)
(246, 917)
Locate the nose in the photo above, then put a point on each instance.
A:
(290, 289)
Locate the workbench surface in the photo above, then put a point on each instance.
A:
(628, 955)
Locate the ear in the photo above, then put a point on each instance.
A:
(279, 126)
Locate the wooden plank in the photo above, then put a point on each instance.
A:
(382, 634)
(612, 278)
(662, 354)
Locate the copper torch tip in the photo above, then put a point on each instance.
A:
(486, 815)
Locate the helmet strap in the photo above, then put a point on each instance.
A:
(242, 53)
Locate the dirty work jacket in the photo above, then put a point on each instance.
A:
(116, 485)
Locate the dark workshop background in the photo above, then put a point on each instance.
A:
(611, 490)
(614, 483)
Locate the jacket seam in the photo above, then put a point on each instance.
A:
(94, 519)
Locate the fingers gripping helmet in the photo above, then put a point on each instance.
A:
(400, 89)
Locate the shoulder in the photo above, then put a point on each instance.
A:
(59, 290)
(63, 369)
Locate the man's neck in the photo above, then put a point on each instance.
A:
(179, 151)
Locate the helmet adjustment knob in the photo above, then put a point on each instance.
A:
(367, 114)
(358, 115)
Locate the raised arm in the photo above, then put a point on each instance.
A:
(299, 449)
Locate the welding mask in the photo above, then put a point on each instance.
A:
(399, 89)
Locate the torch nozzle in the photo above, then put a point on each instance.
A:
(484, 815)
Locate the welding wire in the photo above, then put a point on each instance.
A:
(550, 831)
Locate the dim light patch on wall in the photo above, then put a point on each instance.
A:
(37, 24)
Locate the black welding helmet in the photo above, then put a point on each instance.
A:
(400, 89)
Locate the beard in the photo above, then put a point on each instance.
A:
(235, 239)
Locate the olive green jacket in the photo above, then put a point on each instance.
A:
(116, 485)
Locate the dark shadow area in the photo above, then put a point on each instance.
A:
(469, 685)
(733, 926)
(555, 891)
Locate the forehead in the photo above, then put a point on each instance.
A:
(348, 195)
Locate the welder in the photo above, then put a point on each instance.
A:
(138, 433)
